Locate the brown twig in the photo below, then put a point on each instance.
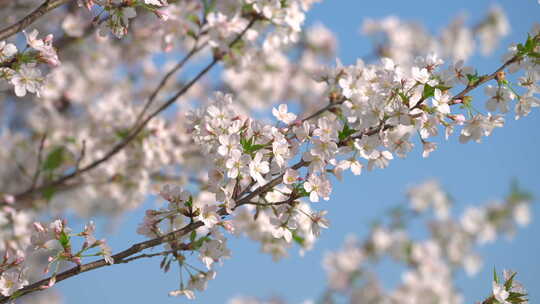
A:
(196, 48)
(39, 160)
(47, 6)
(81, 156)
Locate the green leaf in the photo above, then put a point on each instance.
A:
(508, 283)
(193, 235)
(189, 202)
(54, 159)
(194, 18)
(122, 133)
(249, 147)
(298, 239)
(473, 78)
(198, 243)
(495, 277)
(346, 132)
(64, 239)
(299, 190)
(428, 91)
(48, 193)
(209, 6)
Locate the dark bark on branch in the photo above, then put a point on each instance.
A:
(47, 6)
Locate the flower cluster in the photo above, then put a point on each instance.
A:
(51, 243)
(431, 263)
(97, 137)
(403, 41)
(20, 68)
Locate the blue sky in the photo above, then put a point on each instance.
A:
(472, 173)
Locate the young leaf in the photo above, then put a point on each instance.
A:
(54, 159)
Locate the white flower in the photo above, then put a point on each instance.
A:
(282, 115)
(44, 46)
(380, 159)
(237, 163)
(500, 96)
(522, 214)
(318, 221)
(318, 186)
(7, 50)
(211, 251)
(28, 78)
(290, 176)
(440, 101)
(258, 167)
(209, 215)
(156, 2)
(228, 143)
(10, 281)
(106, 251)
(422, 76)
(500, 293)
(183, 292)
(382, 239)
(428, 148)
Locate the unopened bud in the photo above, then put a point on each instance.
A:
(500, 77)
(161, 15)
(38, 227)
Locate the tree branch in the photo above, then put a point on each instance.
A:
(47, 6)
(119, 258)
(135, 130)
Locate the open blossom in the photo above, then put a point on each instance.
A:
(106, 251)
(423, 76)
(480, 126)
(428, 148)
(258, 167)
(209, 215)
(44, 47)
(27, 79)
(7, 50)
(500, 293)
(212, 251)
(440, 101)
(290, 176)
(282, 115)
(318, 186)
(183, 292)
(499, 98)
(237, 164)
(379, 159)
(156, 2)
(318, 221)
(10, 281)
(174, 194)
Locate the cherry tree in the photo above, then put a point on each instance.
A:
(106, 102)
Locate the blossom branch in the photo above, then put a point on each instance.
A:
(47, 6)
(119, 258)
(136, 129)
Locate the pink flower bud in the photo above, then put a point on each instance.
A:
(161, 15)
(76, 260)
(228, 226)
(9, 199)
(52, 281)
(48, 38)
(38, 227)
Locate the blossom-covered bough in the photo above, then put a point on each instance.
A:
(100, 127)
